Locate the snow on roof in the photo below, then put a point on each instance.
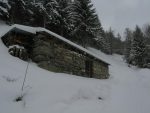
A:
(34, 30)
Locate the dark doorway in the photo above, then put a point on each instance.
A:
(89, 68)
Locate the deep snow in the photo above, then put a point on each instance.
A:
(127, 90)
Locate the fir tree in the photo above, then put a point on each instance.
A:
(52, 7)
(57, 19)
(147, 31)
(18, 12)
(137, 54)
(118, 45)
(86, 22)
(4, 10)
(100, 42)
(64, 25)
(147, 35)
(38, 13)
(128, 42)
(110, 36)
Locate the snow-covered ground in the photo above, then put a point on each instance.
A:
(130, 87)
(127, 90)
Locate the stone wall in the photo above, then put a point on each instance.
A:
(100, 70)
(69, 60)
(65, 60)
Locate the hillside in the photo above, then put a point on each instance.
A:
(127, 90)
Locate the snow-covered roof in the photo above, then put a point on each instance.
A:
(34, 30)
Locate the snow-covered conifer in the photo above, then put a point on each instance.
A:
(128, 42)
(137, 53)
(86, 22)
(4, 9)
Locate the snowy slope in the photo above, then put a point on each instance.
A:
(130, 91)
(127, 90)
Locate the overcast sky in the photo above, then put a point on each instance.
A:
(120, 14)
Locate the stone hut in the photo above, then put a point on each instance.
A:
(63, 56)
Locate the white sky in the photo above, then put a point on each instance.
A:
(120, 14)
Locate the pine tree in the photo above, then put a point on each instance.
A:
(118, 45)
(53, 19)
(137, 53)
(128, 42)
(86, 22)
(38, 13)
(110, 36)
(53, 10)
(147, 35)
(18, 12)
(4, 10)
(63, 27)
(57, 16)
(147, 31)
(100, 42)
